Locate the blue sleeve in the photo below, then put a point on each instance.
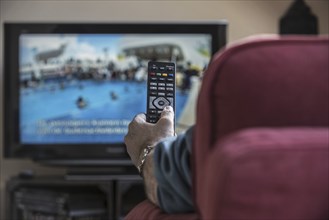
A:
(173, 173)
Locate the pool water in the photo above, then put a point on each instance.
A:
(49, 113)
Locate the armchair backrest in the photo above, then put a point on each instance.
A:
(271, 82)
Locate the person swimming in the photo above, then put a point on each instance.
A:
(81, 103)
(113, 95)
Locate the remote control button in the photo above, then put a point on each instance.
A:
(164, 74)
(170, 68)
(161, 94)
(153, 88)
(171, 75)
(153, 84)
(162, 79)
(170, 79)
(153, 93)
(153, 78)
(160, 111)
(153, 121)
(170, 94)
(153, 116)
(152, 74)
(162, 68)
(161, 88)
(162, 84)
(154, 68)
(170, 84)
(158, 74)
(151, 105)
(169, 89)
(171, 100)
(151, 111)
(161, 102)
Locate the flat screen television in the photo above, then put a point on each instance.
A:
(70, 90)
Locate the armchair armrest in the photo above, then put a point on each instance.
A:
(148, 211)
(268, 174)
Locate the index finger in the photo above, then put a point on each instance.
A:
(140, 117)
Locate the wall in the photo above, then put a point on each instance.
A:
(245, 17)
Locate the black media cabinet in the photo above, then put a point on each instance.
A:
(106, 197)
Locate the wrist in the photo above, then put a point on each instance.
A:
(142, 159)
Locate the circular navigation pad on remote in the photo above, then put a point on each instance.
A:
(161, 102)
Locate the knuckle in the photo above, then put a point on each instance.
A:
(126, 138)
(138, 119)
(131, 125)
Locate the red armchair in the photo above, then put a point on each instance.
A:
(261, 143)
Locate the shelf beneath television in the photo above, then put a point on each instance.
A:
(86, 162)
(119, 194)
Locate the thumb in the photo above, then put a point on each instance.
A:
(167, 117)
(168, 113)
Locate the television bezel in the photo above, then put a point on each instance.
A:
(78, 154)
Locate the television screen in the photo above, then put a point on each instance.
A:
(72, 89)
(86, 88)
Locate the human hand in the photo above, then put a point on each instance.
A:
(141, 133)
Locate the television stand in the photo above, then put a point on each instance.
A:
(76, 196)
(103, 173)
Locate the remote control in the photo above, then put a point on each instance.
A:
(160, 89)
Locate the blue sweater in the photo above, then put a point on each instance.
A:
(173, 173)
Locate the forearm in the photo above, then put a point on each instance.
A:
(150, 181)
(166, 173)
(172, 172)
(142, 134)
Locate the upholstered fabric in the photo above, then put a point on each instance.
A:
(270, 174)
(267, 82)
(148, 211)
(260, 148)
